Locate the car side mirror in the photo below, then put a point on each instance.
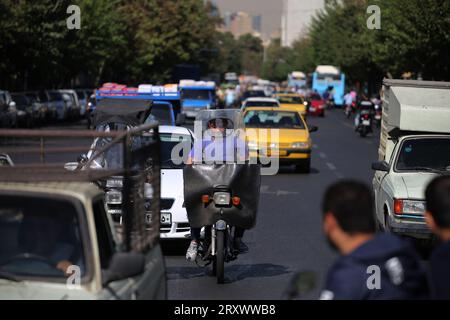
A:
(181, 119)
(82, 158)
(313, 129)
(301, 283)
(381, 166)
(123, 265)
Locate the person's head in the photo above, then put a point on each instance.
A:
(437, 215)
(218, 126)
(348, 214)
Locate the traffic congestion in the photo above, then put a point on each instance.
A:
(234, 185)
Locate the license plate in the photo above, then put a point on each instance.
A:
(312, 109)
(366, 122)
(165, 219)
(378, 117)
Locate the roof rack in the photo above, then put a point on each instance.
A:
(37, 153)
(143, 92)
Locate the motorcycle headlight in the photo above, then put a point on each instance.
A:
(300, 145)
(305, 103)
(113, 197)
(416, 207)
(222, 198)
(114, 183)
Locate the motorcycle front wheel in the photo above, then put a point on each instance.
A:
(219, 262)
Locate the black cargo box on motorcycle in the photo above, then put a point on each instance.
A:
(242, 179)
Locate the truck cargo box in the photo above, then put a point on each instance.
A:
(411, 106)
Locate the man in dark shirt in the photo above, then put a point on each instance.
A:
(437, 197)
(371, 266)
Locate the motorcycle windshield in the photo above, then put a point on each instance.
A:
(241, 180)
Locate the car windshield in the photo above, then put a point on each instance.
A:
(187, 94)
(270, 104)
(175, 150)
(290, 100)
(38, 235)
(273, 119)
(162, 114)
(332, 76)
(420, 155)
(20, 100)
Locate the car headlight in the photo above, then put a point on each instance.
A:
(113, 197)
(305, 103)
(114, 183)
(273, 145)
(402, 206)
(300, 145)
(222, 198)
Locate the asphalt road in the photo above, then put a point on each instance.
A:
(287, 237)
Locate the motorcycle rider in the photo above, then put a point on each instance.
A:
(371, 266)
(348, 100)
(218, 128)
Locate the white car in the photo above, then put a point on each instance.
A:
(174, 220)
(260, 102)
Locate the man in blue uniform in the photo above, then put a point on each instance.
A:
(437, 197)
(371, 266)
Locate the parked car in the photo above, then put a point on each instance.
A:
(41, 109)
(26, 114)
(71, 98)
(45, 98)
(83, 100)
(56, 98)
(8, 111)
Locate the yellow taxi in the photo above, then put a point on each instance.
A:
(280, 133)
(293, 100)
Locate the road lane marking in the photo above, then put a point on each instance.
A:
(331, 166)
(322, 155)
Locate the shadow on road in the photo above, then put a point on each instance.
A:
(233, 273)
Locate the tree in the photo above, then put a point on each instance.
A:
(252, 54)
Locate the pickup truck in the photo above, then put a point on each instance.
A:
(414, 148)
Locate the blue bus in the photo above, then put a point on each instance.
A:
(296, 79)
(329, 76)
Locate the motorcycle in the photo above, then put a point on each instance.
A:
(364, 118)
(220, 197)
(378, 115)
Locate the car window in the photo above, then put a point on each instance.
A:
(270, 104)
(37, 234)
(175, 150)
(273, 119)
(419, 154)
(195, 94)
(162, 113)
(106, 245)
(290, 100)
